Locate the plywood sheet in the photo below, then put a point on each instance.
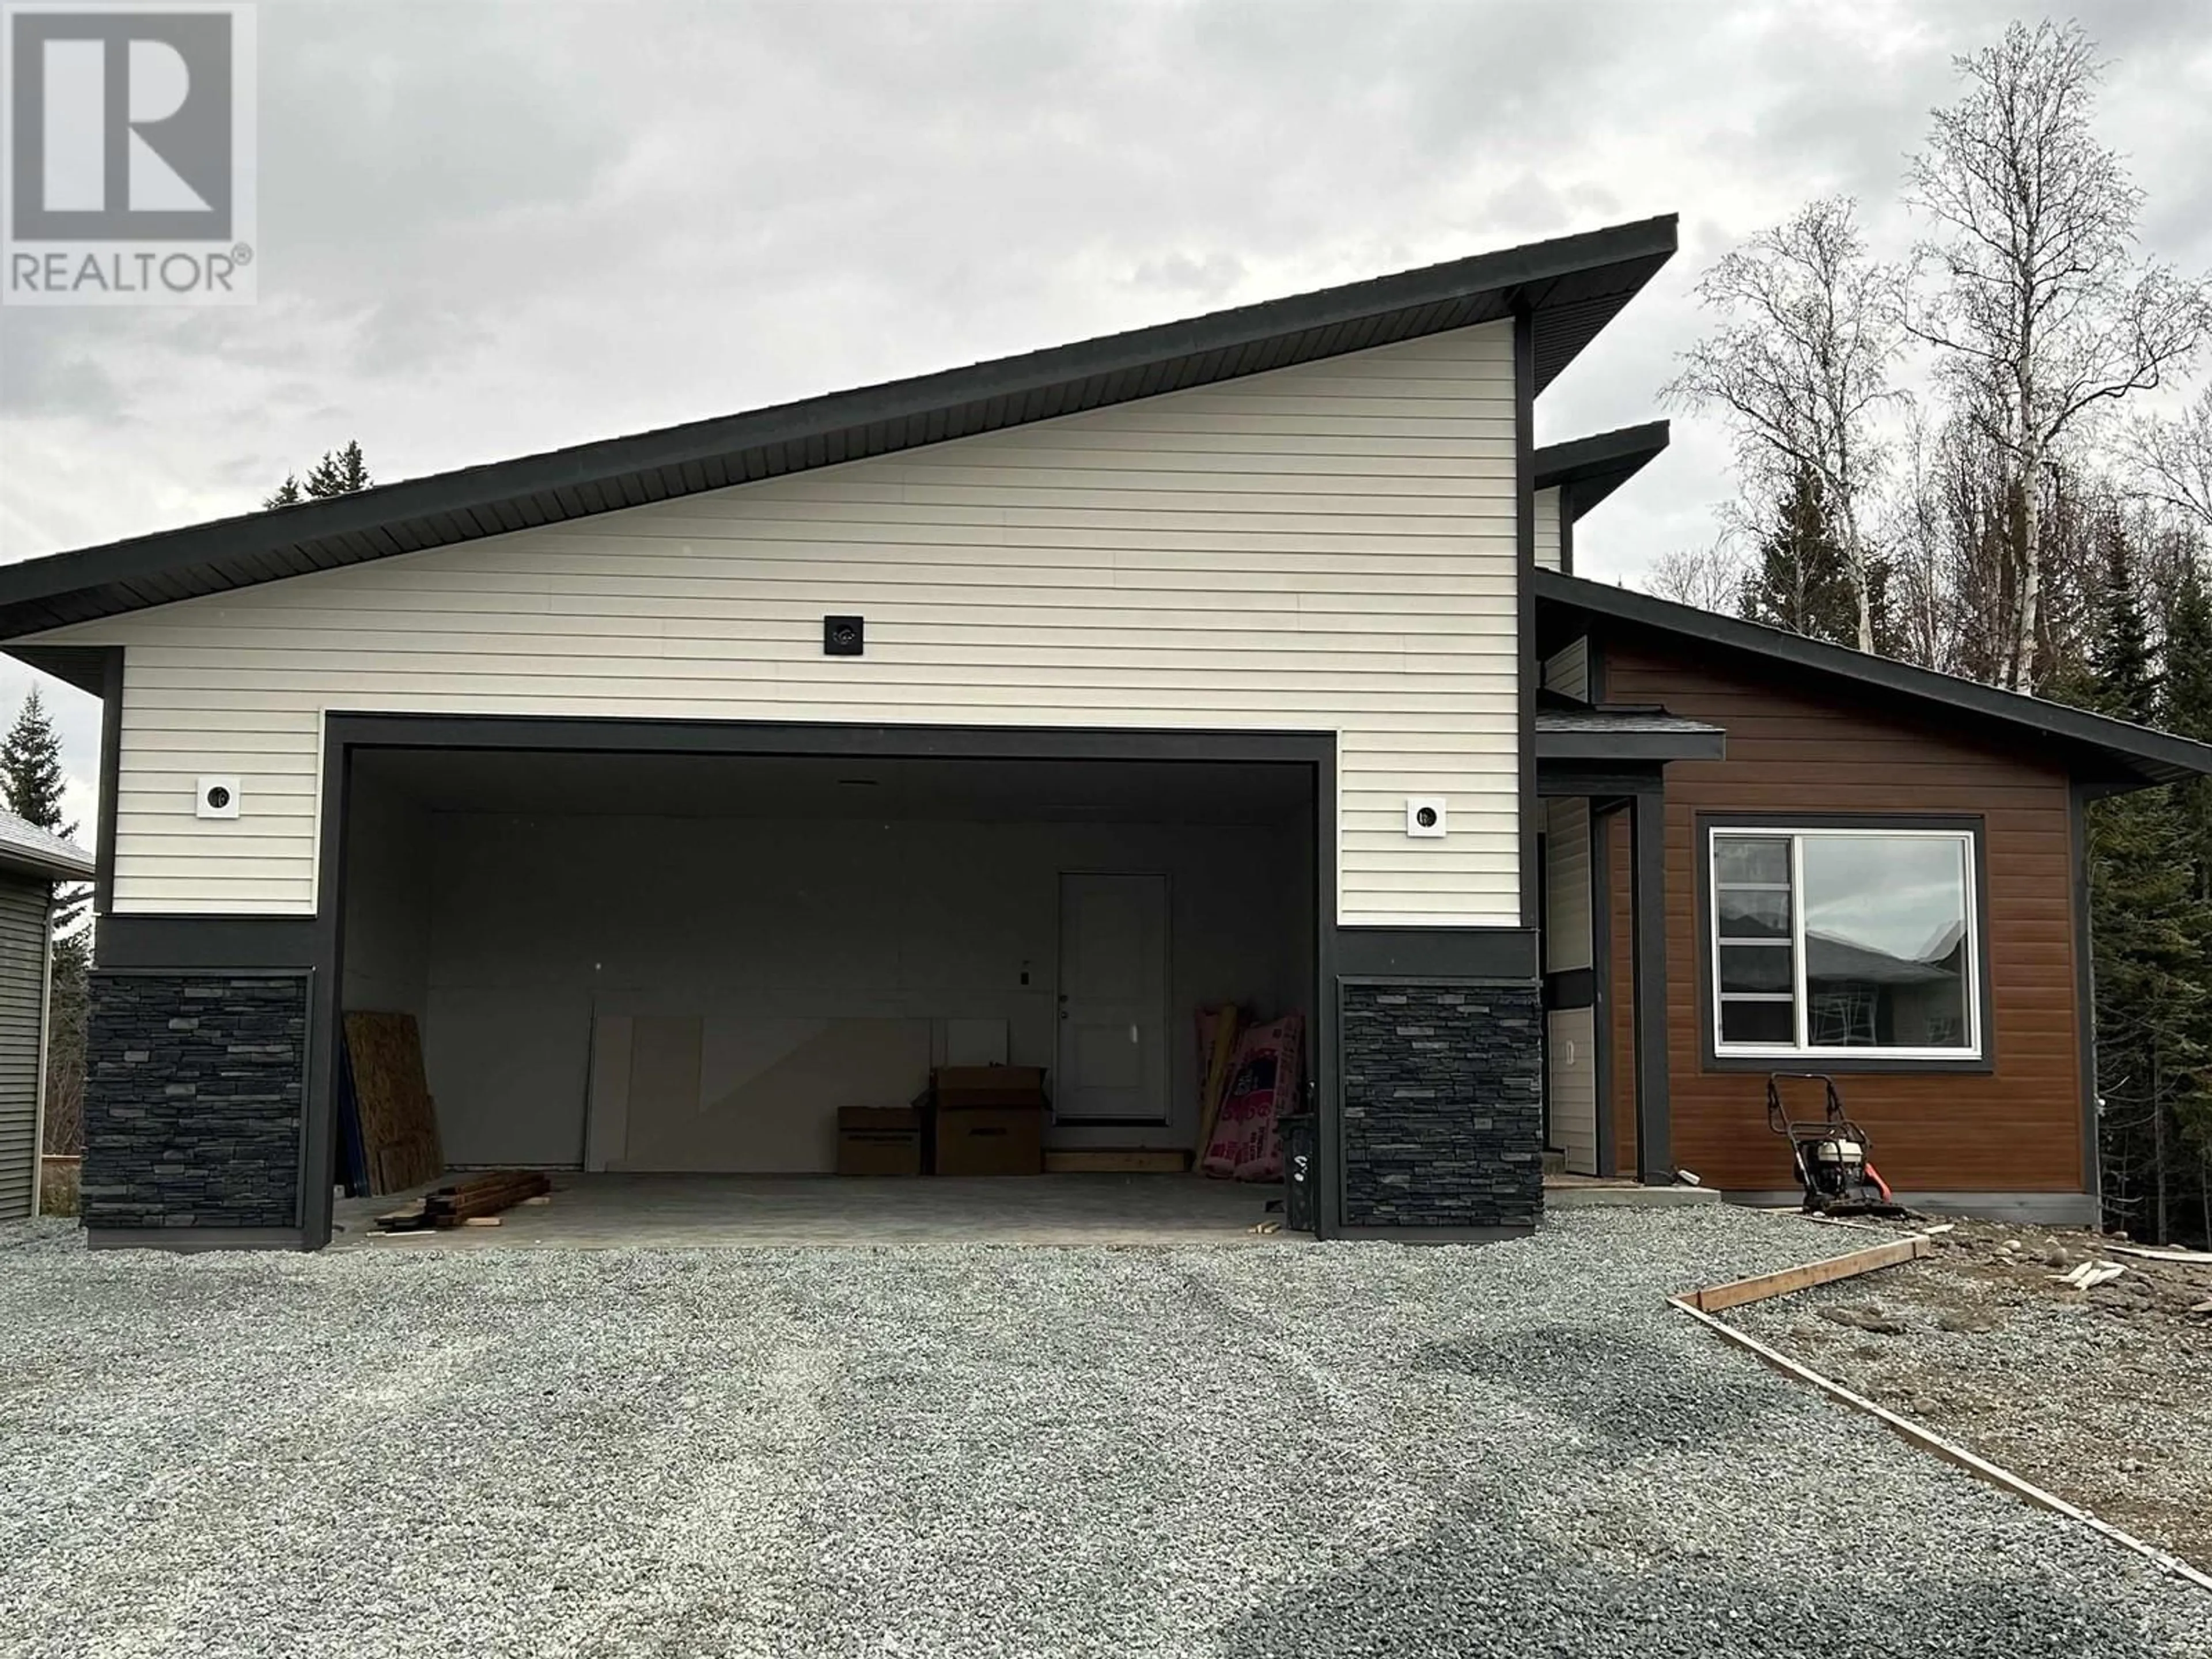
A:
(398, 1126)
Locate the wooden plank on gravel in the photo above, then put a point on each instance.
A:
(1949, 1451)
(1715, 1298)
(2187, 1258)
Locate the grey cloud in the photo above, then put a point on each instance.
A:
(495, 228)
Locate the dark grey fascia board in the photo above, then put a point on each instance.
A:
(1573, 285)
(1633, 747)
(2112, 752)
(1585, 470)
(83, 666)
(18, 861)
(1441, 955)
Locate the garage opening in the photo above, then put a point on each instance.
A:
(651, 967)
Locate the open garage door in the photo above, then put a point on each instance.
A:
(661, 963)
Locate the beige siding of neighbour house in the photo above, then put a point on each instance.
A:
(1548, 552)
(1327, 547)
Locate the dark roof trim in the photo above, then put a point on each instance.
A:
(2113, 751)
(1571, 286)
(1709, 743)
(1585, 470)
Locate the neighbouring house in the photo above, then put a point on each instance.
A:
(32, 863)
(687, 786)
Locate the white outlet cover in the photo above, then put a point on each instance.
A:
(217, 798)
(1426, 817)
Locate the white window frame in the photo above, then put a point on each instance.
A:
(1795, 835)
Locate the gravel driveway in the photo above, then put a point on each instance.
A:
(1332, 1450)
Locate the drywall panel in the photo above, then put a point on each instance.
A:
(387, 917)
(823, 962)
(508, 1066)
(606, 1134)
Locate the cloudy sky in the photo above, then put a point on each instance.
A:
(490, 228)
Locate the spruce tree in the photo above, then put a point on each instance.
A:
(1801, 580)
(31, 759)
(1802, 577)
(31, 771)
(2152, 933)
(2186, 708)
(32, 780)
(339, 472)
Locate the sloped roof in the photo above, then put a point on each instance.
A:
(1585, 470)
(1571, 286)
(26, 849)
(2094, 746)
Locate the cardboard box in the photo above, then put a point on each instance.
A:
(878, 1140)
(987, 1121)
(988, 1086)
(990, 1140)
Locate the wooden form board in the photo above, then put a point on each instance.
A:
(1713, 1298)
(1702, 1304)
(398, 1125)
(1949, 1451)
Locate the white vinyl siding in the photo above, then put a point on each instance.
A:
(1547, 529)
(1327, 547)
(1567, 886)
(1572, 1043)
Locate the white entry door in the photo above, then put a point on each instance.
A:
(1113, 999)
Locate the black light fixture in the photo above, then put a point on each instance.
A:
(843, 636)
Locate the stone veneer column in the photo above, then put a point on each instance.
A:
(195, 1098)
(1443, 1104)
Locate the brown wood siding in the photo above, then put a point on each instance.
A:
(1795, 750)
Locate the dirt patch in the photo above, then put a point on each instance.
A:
(58, 1186)
(2103, 1396)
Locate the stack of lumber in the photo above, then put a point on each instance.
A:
(467, 1201)
(396, 1123)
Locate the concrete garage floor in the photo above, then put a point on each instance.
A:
(1330, 1451)
(672, 1212)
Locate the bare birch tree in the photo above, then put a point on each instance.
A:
(2172, 460)
(2030, 289)
(1800, 370)
(1710, 578)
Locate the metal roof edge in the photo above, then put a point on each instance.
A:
(463, 490)
(1604, 462)
(2155, 756)
(26, 849)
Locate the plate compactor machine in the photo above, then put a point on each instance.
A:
(1829, 1152)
